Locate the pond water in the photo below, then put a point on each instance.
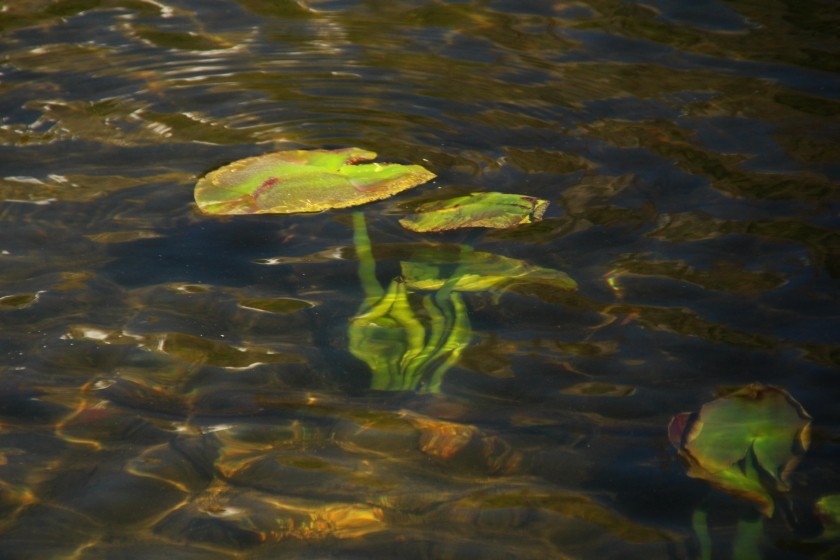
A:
(180, 385)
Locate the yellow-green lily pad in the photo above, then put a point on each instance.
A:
(303, 181)
(490, 210)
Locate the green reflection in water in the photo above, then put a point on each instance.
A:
(404, 351)
(409, 346)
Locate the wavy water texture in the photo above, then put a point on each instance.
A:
(180, 385)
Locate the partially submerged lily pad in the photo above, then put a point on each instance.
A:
(491, 210)
(303, 181)
(746, 442)
(480, 271)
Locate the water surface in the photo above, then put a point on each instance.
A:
(179, 385)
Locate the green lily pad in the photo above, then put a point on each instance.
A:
(746, 442)
(491, 210)
(303, 181)
(480, 271)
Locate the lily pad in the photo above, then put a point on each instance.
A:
(491, 210)
(480, 271)
(746, 442)
(303, 181)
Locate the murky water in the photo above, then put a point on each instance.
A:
(183, 386)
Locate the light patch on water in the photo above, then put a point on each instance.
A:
(243, 368)
(94, 334)
(217, 428)
(41, 202)
(24, 179)
(160, 128)
(165, 11)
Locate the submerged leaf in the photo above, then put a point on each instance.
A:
(480, 271)
(405, 351)
(303, 181)
(747, 442)
(492, 209)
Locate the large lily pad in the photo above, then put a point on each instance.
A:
(303, 181)
(746, 442)
(491, 210)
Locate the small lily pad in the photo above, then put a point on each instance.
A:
(303, 181)
(746, 442)
(490, 210)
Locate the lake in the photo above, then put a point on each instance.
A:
(649, 371)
